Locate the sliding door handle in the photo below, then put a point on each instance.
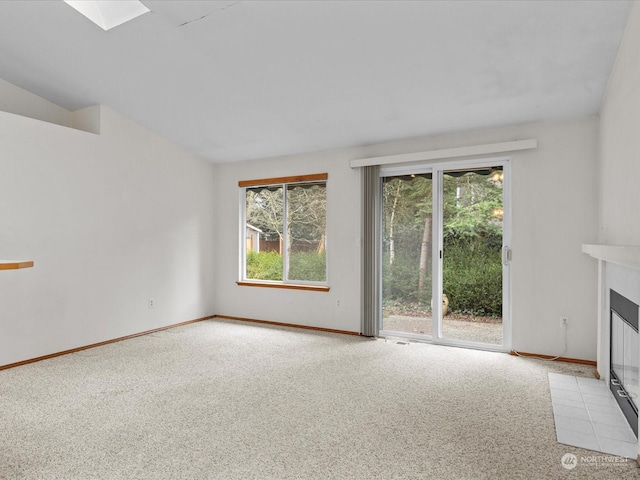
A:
(506, 255)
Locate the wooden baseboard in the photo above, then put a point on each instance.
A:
(559, 359)
(99, 344)
(263, 322)
(147, 332)
(292, 325)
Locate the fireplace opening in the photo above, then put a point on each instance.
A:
(624, 356)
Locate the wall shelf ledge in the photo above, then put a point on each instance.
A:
(625, 255)
(15, 264)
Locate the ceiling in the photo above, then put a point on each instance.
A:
(237, 80)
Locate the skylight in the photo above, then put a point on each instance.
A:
(108, 13)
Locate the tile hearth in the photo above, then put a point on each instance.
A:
(587, 416)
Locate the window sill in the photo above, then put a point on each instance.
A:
(290, 286)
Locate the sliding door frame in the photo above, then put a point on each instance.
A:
(437, 170)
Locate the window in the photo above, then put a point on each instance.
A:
(284, 232)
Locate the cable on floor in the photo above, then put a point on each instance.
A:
(564, 327)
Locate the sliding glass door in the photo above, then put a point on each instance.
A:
(445, 255)
(407, 239)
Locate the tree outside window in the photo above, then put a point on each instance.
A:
(288, 219)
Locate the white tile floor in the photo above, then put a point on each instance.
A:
(587, 416)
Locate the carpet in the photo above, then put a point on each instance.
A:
(223, 399)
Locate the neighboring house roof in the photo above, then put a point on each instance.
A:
(253, 228)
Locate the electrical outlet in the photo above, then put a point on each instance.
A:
(564, 322)
(152, 303)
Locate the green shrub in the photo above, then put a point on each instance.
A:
(309, 266)
(264, 265)
(400, 279)
(472, 277)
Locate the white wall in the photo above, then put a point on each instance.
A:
(110, 220)
(14, 99)
(620, 143)
(554, 205)
(343, 251)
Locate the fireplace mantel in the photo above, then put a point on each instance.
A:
(625, 255)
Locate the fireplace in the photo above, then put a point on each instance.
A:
(619, 271)
(624, 355)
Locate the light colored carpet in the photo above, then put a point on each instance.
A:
(232, 400)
